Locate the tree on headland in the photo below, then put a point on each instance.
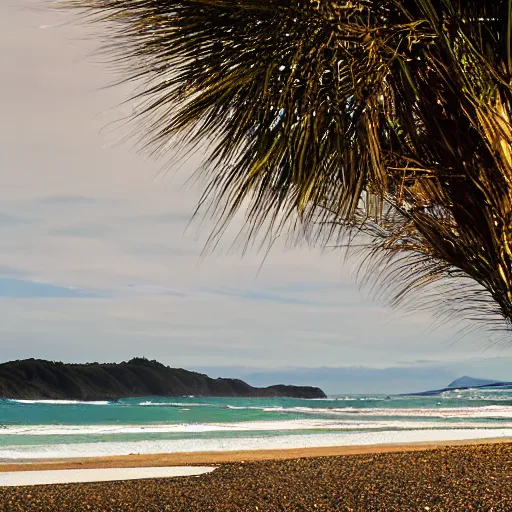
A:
(384, 125)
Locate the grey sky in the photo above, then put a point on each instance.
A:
(96, 262)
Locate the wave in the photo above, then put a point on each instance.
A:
(350, 399)
(487, 411)
(60, 402)
(250, 443)
(177, 404)
(484, 412)
(243, 426)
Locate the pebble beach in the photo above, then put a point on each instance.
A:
(447, 478)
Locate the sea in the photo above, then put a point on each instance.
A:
(39, 429)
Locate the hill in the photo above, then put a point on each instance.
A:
(470, 382)
(465, 383)
(38, 379)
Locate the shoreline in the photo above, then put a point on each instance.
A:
(187, 447)
(469, 476)
(236, 456)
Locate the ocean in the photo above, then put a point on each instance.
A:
(38, 429)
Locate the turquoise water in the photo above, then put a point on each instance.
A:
(34, 429)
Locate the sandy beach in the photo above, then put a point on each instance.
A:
(216, 457)
(442, 477)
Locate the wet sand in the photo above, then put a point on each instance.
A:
(68, 476)
(476, 476)
(206, 458)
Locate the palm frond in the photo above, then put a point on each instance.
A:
(312, 108)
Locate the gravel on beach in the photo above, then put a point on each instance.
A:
(445, 479)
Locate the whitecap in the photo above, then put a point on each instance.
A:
(250, 443)
(60, 402)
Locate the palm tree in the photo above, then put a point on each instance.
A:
(386, 123)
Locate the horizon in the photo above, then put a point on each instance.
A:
(98, 259)
(327, 378)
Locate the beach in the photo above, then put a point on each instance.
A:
(348, 453)
(64, 429)
(450, 476)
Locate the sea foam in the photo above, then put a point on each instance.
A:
(253, 443)
(59, 402)
(242, 426)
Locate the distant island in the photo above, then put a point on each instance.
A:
(465, 383)
(38, 379)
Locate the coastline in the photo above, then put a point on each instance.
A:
(68, 450)
(237, 456)
(442, 476)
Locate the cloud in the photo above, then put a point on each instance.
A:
(158, 249)
(65, 200)
(181, 218)
(22, 288)
(419, 361)
(13, 221)
(92, 219)
(154, 290)
(262, 295)
(91, 230)
(344, 380)
(8, 271)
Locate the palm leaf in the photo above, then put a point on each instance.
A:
(312, 109)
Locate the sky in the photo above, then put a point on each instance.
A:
(98, 261)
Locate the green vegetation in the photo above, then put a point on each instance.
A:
(40, 379)
(381, 125)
